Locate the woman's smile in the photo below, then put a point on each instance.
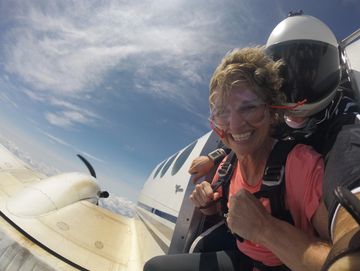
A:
(245, 120)
(241, 137)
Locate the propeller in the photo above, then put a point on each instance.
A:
(101, 194)
(88, 165)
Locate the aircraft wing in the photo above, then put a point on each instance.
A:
(49, 224)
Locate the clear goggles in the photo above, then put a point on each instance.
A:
(252, 113)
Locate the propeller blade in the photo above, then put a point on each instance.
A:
(88, 165)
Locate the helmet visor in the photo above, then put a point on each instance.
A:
(311, 71)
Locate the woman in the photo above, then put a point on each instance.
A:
(242, 91)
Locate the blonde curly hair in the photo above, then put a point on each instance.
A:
(253, 67)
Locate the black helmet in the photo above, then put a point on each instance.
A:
(312, 63)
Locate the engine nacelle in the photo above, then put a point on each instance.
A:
(54, 193)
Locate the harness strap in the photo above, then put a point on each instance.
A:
(225, 172)
(273, 185)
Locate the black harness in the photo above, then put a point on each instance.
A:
(225, 172)
(273, 184)
(272, 187)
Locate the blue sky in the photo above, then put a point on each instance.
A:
(124, 83)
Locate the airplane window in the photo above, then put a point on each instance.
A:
(158, 169)
(182, 158)
(167, 165)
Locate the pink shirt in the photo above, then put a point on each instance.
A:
(303, 176)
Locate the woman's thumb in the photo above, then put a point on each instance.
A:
(216, 196)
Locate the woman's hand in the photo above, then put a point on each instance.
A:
(200, 166)
(203, 195)
(247, 217)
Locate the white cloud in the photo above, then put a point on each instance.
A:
(64, 104)
(77, 150)
(76, 116)
(25, 157)
(119, 205)
(6, 87)
(55, 51)
(58, 120)
(34, 96)
(68, 48)
(5, 98)
(56, 139)
(69, 118)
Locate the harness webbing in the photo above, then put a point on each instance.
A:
(225, 172)
(273, 185)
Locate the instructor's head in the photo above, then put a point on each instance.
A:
(311, 59)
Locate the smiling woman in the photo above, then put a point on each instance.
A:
(243, 90)
(258, 89)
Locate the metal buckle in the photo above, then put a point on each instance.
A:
(274, 175)
(224, 170)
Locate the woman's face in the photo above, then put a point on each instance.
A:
(243, 120)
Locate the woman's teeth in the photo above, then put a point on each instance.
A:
(241, 137)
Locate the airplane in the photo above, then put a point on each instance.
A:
(55, 223)
(174, 220)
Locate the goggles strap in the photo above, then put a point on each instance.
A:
(289, 107)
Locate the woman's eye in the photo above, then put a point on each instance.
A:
(248, 108)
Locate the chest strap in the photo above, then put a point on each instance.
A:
(273, 184)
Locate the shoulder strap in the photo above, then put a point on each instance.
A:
(225, 172)
(275, 165)
(273, 185)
